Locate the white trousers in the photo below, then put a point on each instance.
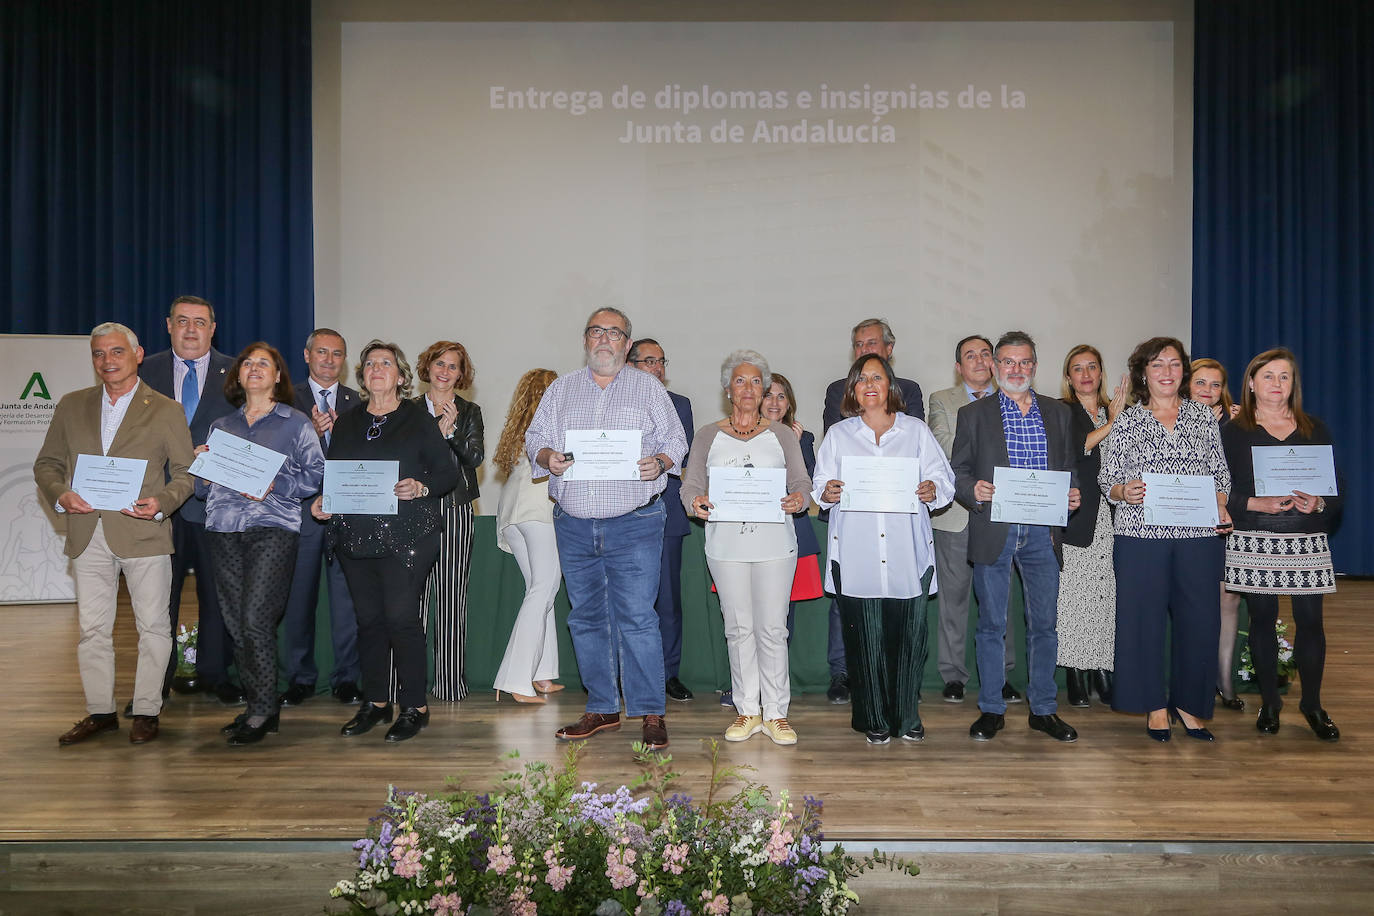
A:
(149, 580)
(532, 653)
(753, 601)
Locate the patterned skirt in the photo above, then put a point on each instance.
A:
(1262, 562)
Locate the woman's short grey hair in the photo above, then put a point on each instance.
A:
(403, 385)
(753, 358)
(114, 327)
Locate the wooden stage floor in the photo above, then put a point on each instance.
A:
(975, 804)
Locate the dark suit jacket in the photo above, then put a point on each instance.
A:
(1083, 520)
(468, 446)
(154, 429)
(157, 372)
(834, 397)
(980, 444)
(676, 524)
(345, 400)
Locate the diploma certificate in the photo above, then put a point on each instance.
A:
(108, 483)
(874, 484)
(1281, 469)
(747, 494)
(1184, 500)
(360, 487)
(240, 465)
(1026, 496)
(603, 454)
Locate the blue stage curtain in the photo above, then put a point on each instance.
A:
(152, 149)
(1283, 214)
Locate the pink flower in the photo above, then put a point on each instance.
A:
(718, 906)
(777, 848)
(446, 905)
(674, 857)
(500, 859)
(559, 876)
(618, 861)
(406, 852)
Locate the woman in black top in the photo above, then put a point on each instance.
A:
(1279, 546)
(386, 557)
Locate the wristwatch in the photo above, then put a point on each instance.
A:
(662, 468)
(424, 491)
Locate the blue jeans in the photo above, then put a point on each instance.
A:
(1030, 548)
(610, 566)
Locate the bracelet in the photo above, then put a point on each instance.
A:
(1321, 504)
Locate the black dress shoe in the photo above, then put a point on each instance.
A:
(954, 692)
(296, 694)
(677, 690)
(1055, 727)
(348, 692)
(1011, 694)
(408, 724)
(229, 695)
(242, 720)
(1268, 720)
(1101, 682)
(838, 693)
(880, 737)
(916, 734)
(245, 734)
(1322, 725)
(368, 715)
(986, 726)
(1076, 685)
(1235, 703)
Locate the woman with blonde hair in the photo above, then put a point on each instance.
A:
(524, 528)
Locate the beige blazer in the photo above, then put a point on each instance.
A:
(942, 417)
(154, 429)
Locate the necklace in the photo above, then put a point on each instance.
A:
(743, 432)
(375, 429)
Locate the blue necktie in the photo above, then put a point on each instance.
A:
(324, 408)
(190, 390)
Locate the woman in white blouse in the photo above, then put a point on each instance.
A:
(752, 562)
(524, 527)
(881, 565)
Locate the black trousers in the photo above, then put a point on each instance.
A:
(214, 646)
(253, 571)
(1309, 647)
(386, 597)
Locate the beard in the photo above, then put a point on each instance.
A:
(1014, 387)
(604, 362)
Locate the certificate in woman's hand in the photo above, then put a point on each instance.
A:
(874, 484)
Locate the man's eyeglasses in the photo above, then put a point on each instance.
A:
(596, 332)
(651, 361)
(1014, 363)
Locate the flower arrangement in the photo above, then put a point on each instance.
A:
(546, 843)
(1246, 671)
(184, 679)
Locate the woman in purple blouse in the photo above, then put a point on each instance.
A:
(254, 538)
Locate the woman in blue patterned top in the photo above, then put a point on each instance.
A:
(1164, 573)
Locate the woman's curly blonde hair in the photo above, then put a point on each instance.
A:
(523, 404)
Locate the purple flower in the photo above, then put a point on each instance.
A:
(676, 908)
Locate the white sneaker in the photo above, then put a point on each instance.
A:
(745, 727)
(780, 731)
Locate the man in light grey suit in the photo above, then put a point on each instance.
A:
(973, 361)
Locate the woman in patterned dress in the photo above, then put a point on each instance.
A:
(1087, 585)
(1280, 547)
(1164, 573)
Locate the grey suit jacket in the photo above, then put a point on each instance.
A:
(154, 429)
(980, 444)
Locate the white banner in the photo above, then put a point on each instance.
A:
(36, 370)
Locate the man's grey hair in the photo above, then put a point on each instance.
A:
(114, 327)
(888, 337)
(324, 332)
(629, 328)
(1015, 339)
(753, 358)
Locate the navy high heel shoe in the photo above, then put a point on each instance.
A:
(1200, 734)
(1159, 734)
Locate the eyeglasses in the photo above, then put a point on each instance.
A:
(1014, 363)
(596, 332)
(375, 429)
(650, 361)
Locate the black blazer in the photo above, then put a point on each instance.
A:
(980, 445)
(156, 370)
(1083, 520)
(676, 524)
(467, 446)
(304, 401)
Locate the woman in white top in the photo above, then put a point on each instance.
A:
(752, 562)
(881, 565)
(524, 527)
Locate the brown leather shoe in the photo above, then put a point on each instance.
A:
(588, 725)
(655, 732)
(143, 730)
(88, 727)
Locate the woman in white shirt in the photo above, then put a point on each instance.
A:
(524, 527)
(753, 562)
(881, 565)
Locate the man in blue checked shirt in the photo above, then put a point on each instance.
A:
(610, 532)
(1016, 429)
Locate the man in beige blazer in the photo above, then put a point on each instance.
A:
(973, 362)
(120, 417)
